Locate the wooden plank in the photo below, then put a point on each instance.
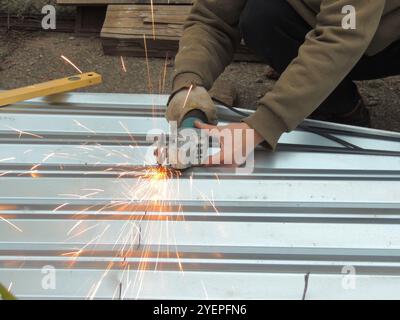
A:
(135, 48)
(130, 18)
(147, 8)
(159, 48)
(135, 29)
(126, 25)
(141, 21)
(134, 21)
(138, 37)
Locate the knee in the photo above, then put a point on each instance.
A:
(259, 19)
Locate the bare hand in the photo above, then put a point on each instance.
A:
(237, 142)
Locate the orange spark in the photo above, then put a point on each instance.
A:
(84, 127)
(74, 227)
(152, 19)
(204, 289)
(60, 206)
(147, 64)
(97, 286)
(11, 224)
(123, 64)
(72, 253)
(70, 62)
(84, 231)
(35, 167)
(187, 96)
(21, 133)
(48, 157)
(34, 174)
(164, 77)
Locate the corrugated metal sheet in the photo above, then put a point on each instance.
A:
(74, 196)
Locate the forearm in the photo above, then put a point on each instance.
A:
(208, 42)
(327, 56)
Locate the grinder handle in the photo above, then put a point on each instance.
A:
(192, 116)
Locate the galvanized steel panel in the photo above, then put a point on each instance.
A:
(74, 195)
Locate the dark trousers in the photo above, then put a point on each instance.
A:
(275, 31)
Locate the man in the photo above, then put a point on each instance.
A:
(318, 54)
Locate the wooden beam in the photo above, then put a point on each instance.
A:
(126, 25)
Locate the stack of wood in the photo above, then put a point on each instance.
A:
(140, 27)
(129, 30)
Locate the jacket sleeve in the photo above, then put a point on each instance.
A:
(209, 39)
(327, 56)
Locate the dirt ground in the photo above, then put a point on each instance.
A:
(23, 7)
(27, 58)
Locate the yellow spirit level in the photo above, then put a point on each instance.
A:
(49, 88)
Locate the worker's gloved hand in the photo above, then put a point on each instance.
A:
(185, 101)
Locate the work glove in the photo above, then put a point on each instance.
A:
(184, 101)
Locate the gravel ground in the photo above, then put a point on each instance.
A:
(27, 58)
(23, 7)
